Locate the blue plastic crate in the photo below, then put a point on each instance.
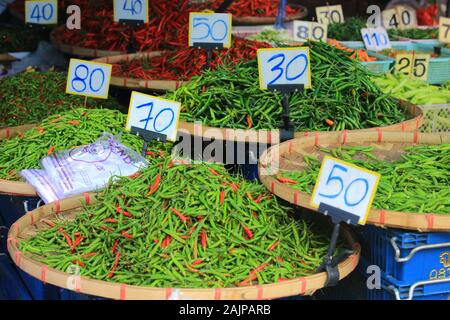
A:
(381, 66)
(408, 256)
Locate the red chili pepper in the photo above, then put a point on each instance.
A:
(197, 262)
(287, 180)
(50, 151)
(107, 229)
(204, 240)
(273, 246)
(136, 175)
(192, 230)
(222, 196)
(110, 220)
(114, 247)
(48, 222)
(154, 187)
(127, 235)
(259, 198)
(55, 120)
(249, 122)
(69, 241)
(214, 172)
(248, 232)
(150, 153)
(73, 122)
(249, 279)
(179, 215)
(116, 263)
(78, 262)
(329, 122)
(89, 255)
(260, 268)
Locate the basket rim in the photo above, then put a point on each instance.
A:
(426, 222)
(298, 286)
(252, 20)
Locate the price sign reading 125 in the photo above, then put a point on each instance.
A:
(284, 66)
(210, 28)
(131, 10)
(41, 12)
(346, 187)
(376, 39)
(154, 114)
(89, 79)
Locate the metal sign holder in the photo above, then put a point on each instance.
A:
(148, 136)
(133, 24)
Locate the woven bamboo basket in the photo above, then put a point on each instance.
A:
(389, 145)
(133, 83)
(5, 57)
(273, 136)
(240, 21)
(79, 51)
(67, 209)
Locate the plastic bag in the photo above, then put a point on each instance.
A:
(83, 169)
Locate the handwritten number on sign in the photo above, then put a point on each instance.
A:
(279, 67)
(210, 29)
(339, 180)
(134, 4)
(82, 74)
(45, 12)
(155, 119)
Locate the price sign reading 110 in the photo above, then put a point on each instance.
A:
(284, 66)
(345, 186)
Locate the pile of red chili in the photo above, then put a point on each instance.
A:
(255, 8)
(186, 62)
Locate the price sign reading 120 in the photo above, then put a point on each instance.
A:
(154, 114)
(284, 66)
(41, 12)
(131, 10)
(210, 28)
(89, 79)
(346, 187)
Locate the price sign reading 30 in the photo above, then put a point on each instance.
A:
(89, 79)
(210, 28)
(284, 66)
(154, 114)
(346, 187)
(131, 10)
(41, 12)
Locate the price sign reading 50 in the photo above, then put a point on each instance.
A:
(154, 114)
(131, 10)
(284, 66)
(210, 28)
(41, 12)
(89, 79)
(346, 187)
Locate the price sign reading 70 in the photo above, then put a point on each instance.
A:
(346, 187)
(284, 66)
(154, 114)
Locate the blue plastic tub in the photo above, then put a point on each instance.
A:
(381, 66)
(408, 256)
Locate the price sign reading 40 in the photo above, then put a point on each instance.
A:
(307, 30)
(90, 79)
(41, 12)
(131, 10)
(376, 39)
(210, 28)
(346, 187)
(330, 14)
(284, 66)
(154, 114)
(401, 17)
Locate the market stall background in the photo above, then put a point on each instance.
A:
(358, 98)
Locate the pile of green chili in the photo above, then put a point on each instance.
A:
(184, 226)
(350, 30)
(342, 97)
(419, 182)
(29, 97)
(56, 133)
(414, 33)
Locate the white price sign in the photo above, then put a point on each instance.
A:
(330, 14)
(284, 66)
(131, 10)
(444, 30)
(154, 114)
(400, 17)
(41, 12)
(210, 28)
(346, 187)
(86, 78)
(306, 30)
(376, 39)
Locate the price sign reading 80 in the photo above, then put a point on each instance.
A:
(376, 39)
(154, 114)
(210, 28)
(131, 10)
(87, 78)
(306, 30)
(346, 187)
(41, 12)
(284, 66)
